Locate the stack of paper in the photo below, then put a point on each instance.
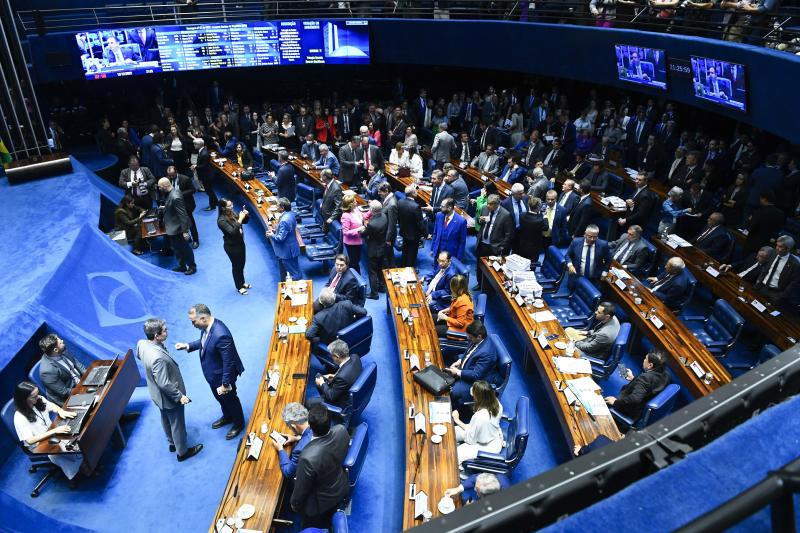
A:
(676, 241)
(615, 201)
(619, 273)
(517, 263)
(572, 365)
(588, 394)
(439, 412)
(631, 172)
(526, 282)
(543, 316)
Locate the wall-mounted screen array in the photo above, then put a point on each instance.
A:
(125, 52)
(720, 82)
(645, 66)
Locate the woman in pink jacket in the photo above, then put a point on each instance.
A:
(353, 219)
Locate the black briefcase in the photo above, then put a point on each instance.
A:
(434, 380)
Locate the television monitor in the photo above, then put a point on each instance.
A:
(119, 52)
(720, 82)
(645, 66)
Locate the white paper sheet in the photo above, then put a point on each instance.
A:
(572, 365)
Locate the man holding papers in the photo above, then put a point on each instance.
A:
(599, 338)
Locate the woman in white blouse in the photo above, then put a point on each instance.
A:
(483, 432)
(32, 420)
(398, 156)
(414, 163)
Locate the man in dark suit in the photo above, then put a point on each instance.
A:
(587, 257)
(497, 232)
(205, 173)
(671, 286)
(751, 267)
(412, 226)
(375, 234)
(764, 224)
(389, 208)
(321, 482)
(285, 178)
(59, 370)
(284, 241)
(437, 288)
(554, 161)
(146, 39)
(368, 155)
(347, 161)
(568, 199)
(342, 281)
(630, 250)
(714, 239)
(465, 150)
(345, 125)
(331, 316)
(221, 366)
(303, 125)
(651, 158)
(115, 55)
(779, 280)
(555, 217)
(479, 362)
(512, 172)
(517, 205)
(310, 148)
(487, 136)
(439, 192)
(641, 205)
(638, 131)
(184, 184)
(449, 231)
(331, 207)
(639, 390)
(569, 134)
(688, 174)
(177, 226)
(583, 213)
(333, 388)
(139, 182)
(536, 150)
(582, 167)
(702, 205)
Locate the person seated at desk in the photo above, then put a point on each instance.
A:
(414, 162)
(437, 291)
(371, 186)
(671, 210)
(630, 250)
(241, 156)
(341, 281)
(32, 422)
(639, 390)
(483, 433)
(479, 362)
(321, 483)
(778, 282)
(587, 257)
(295, 416)
(714, 239)
(59, 370)
(477, 486)
(672, 285)
(751, 267)
(331, 317)
(512, 172)
(327, 160)
(310, 149)
(599, 338)
(333, 388)
(486, 161)
(128, 218)
(598, 177)
(460, 313)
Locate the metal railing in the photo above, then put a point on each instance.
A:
(779, 29)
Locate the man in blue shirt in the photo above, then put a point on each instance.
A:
(296, 417)
(327, 160)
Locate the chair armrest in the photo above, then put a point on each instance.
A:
(562, 297)
(619, 416)
(717, 344)
(594, 360)
(456, 336)
(693, 318)
(333, 409)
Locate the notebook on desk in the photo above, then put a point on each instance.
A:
(81, 400)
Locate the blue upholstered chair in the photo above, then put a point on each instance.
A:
(718, 331)
(339, 522)
(516, 437)
(361, 294)
(768, 351)
(360, 393)
(456, 343)
(657, 408)
(603, 368)
(689, 293)
(649, 264)
(38, 461)
(577, 309)
(614, 186)
(313, 228)
(33, 377)
(354, 460)
(479, 306)
(322, 250)
(552, 271)
(460, 267)
(357, 335)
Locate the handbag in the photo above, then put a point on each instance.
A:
(434, 380)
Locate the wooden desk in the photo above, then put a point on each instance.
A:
(103, 420)
(656, 186)
(726, 286)
(576, 426)
(438, 465)
(476, 176)
(268, 217)
(160, 230)
(261, 482)
(674, 338)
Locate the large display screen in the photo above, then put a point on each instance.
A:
(124, 52)
(720, 82)
(645, 66)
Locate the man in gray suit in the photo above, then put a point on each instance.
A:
(166, 387)
(389, 208)
(443, 146)
(460, 189)
(331, 207)
(58, 369)
(177, 225)
(347, 161)
(487, 161)
(630, 250)
(139, 182)
(599, 338)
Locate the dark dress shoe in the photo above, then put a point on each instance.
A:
(172, 448)
(191, 452)
(216, 424)
(372, 296)
(233, 433)
(129, 417)
(195, 244)
(179, 269)
(190, 271)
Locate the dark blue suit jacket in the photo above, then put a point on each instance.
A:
(507, 204)
(219, 359)
(335, 391)
(559, 233)
(571, 202)
(441, 293)
(673, 292)
(581, 217)
(481, 365)
(284, 241)
(328, 321)
(289, 462)
(159, 161)
(453, 238)
(286, 182)
(716, 244)
(516, 176)
(445, 191)
(347, 288)
(602, 257)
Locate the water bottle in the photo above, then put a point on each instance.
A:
(276, 375)
(288, 277)
(570, 348)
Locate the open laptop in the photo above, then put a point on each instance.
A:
(99, 374)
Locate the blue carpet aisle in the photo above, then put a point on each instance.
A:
(96, 294)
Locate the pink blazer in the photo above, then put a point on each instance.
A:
(351, 221)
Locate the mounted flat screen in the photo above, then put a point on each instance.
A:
(720, 82)
(640, 65)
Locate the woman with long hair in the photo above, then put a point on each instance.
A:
(482, 433)
(398, 155)
(177, 143)
(353, 222)
(324, 128)
(287, 134)
(230, 223)
(268, 131)
(460, 314)
(128, 218)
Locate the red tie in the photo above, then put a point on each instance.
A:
(335, 280)
(446, 221)
(366, 157)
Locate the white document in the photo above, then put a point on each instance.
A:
(439, 412)
(697, 369)
(656, 322)
(297, 328)
(420, 504)
(298, 299)
(620, 273)
(572, 365)
(758, 305)
(621, 284)
(520, 300)
(571, 398)
(587, 392)
(542, 340)
(497, 266)
(713, 272)
(679, 241)
(413, 362)
(543, 316)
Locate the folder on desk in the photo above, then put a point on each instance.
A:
(543, 316)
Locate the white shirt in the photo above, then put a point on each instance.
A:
(746, 271)
(206, 333)
(777, 266)
(415, 165)
(484, 429)
(624, 251)
(587, 259)
(564, 198)
(434, 282)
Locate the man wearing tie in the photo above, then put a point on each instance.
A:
(630, 250)
(779, 281)
(464, 149)
(449, 231)
(714, 239)
(641, 206)
(439, 192)
(536, 150)
(221, 366)
(516, 204)
(284, 241)
(636, 70)
(587, 257)
(487, 162)
(713, 86)
(437, 291)
(139, 182)
(568, 198)
(672, 286)
(327, 160)
(555, 216)
(497, 232)
(369, 155)
(750, 268)
(115, 55)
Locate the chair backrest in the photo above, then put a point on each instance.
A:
(586, 297)
(361, 391)
(34, 377)
(614, 187)
(690, 292)
(354, 460)
(517, 436)
(306, 194)
(334, 236)
(554, 264)
(317, 215)
(651, 257)
(725, 323)
(503, 363)
(620, 343)
(8, 418)
(659, 406)
(361, 294)
(768, 352)
(479, 307)
(358, 335)
(460, 267)
(339, 522)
